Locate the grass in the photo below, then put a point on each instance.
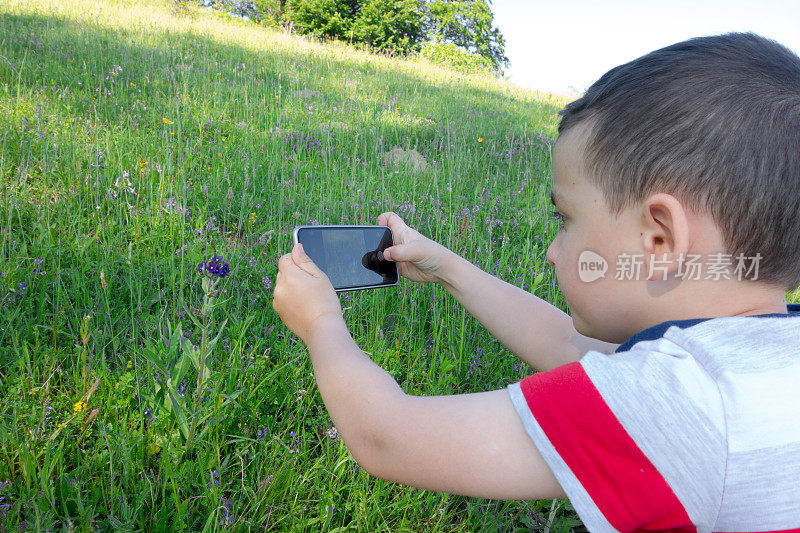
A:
(136, 142)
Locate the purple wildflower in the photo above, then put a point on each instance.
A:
(475, 363)
(214, 267)
(214, 478)
(430, 344)
(147, 414)
(226, 512)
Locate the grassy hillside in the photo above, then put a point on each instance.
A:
(135, 143)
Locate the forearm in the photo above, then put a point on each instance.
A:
(537, 332)
(353, 388)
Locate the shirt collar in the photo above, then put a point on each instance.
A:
(657, 331)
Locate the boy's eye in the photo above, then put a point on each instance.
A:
(559, 218)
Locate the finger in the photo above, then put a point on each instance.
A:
(393, 220)
(304, 262)
(284, 262)
(383, 218)
(401, 252)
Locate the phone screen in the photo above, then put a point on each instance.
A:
(351, 256)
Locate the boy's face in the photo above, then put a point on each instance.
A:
(603, 308)
(609, 294)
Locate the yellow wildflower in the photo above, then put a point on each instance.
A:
(79, 407)
(480, 139)
(166, 120)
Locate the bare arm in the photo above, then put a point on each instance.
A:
(468, 444)
(471, 444)
(537, 332)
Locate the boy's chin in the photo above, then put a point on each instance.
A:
(580, 326)
(596, 332)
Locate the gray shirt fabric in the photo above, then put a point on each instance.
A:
(693, 425)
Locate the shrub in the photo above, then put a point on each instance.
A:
(389, 25)
(327, 19)
(455, 58)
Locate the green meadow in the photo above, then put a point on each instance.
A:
(137, 141)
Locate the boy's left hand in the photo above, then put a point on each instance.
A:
(303, 294)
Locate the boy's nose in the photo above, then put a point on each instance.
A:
(551, 254)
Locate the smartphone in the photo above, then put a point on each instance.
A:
(351, 256)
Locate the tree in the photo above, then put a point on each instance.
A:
(467, 24)
(390, 25)
(448, 28)
(330, 19)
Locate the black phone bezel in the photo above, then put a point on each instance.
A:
(295, 240)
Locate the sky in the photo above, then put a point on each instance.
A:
(563, 46)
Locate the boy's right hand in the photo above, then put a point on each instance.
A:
(418, 258)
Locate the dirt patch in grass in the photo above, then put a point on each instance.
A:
(411, 158)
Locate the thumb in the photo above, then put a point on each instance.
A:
(400, 252)
(304, 262)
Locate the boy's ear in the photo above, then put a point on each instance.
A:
(665, 237)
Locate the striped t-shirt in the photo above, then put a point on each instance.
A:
(691, 425)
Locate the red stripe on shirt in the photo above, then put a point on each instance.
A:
(622, 482)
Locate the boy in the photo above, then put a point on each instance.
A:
(669, 168)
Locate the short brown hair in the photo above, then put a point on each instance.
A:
(714, 121)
